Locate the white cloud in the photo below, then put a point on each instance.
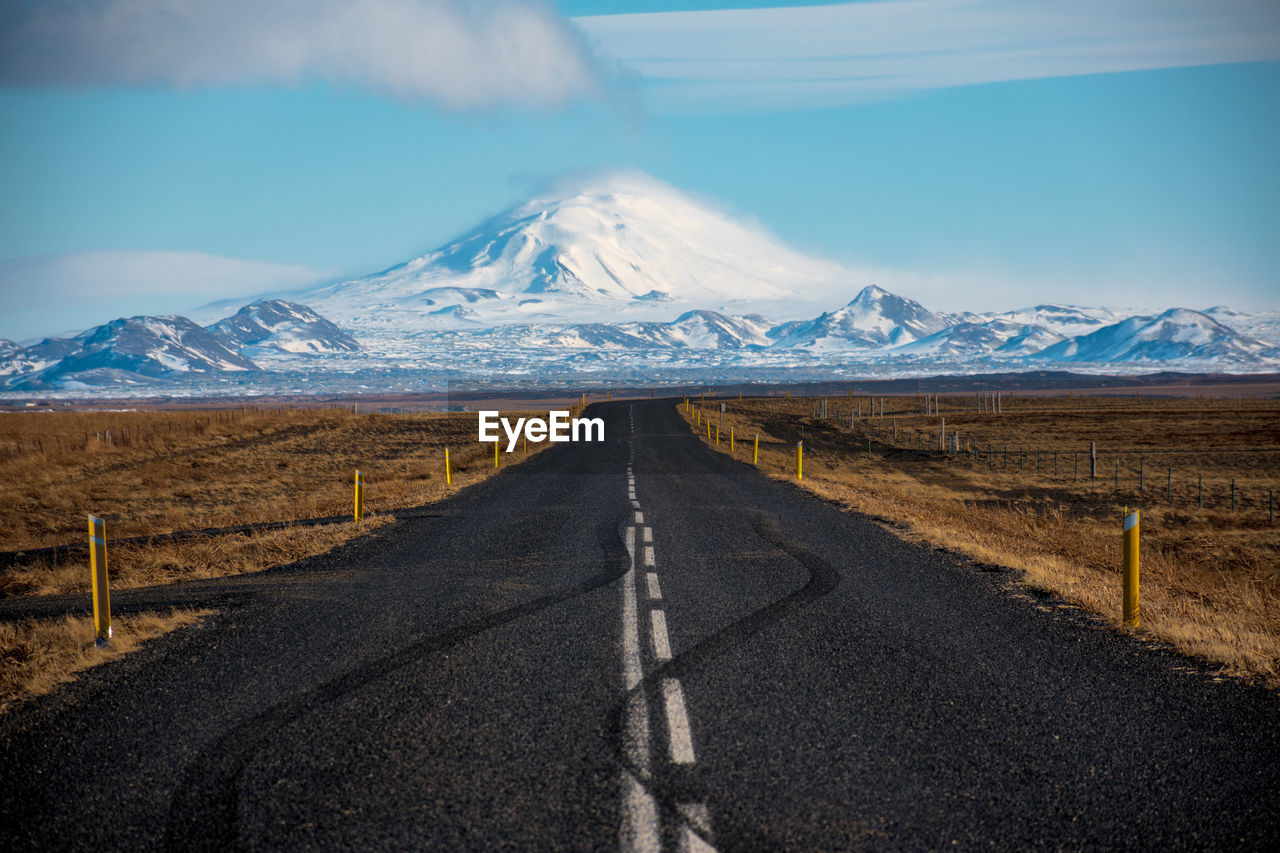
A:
(828, 55)
(451, 52)
(52, 294)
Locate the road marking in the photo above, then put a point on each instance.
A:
(635, 504)
(640, 824)
(639, 520)
(654, 592)
(661, 645)
(648, 556)
(639, 831)
(677, 722)
(648, 534)
(631, 668)
(698, 818)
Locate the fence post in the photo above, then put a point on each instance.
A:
(101, 589)
(1131, 569)
(359, 510)
(942, 435)
(799, 460)
(1093, 460)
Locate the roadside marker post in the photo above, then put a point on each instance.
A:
(755, 452)
(448, 472)
(1131, 569)
(731, 439)
(101, 589)
(799, 460)
(359, 511)
(495, 453)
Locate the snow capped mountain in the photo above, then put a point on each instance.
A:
(875, 319)
(622, 248)
(712, 330)
(22, 361)
(586, 281)
(997, 338)
(289, 327)
(1263, 325)
(133, 350)
(1067, 320)
(1176, 334)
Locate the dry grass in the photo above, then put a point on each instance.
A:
(1210, 576)
(38, 655)
(172, 471)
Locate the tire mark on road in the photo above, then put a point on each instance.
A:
(204, 809)
(823, 579)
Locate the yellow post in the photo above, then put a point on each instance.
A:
(708, 430)
(799, 460)
(1131, 569)
(359, 513)
(98, 568)
(730, 439)
(448, 472)
(788, 393)
(495, 453)
(717, 435)
(755, 452)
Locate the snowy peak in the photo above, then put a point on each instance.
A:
(995, 338)
(875, 319)
(288, 327)
(712, 330)
(620, 248)
(1067, 320)
(133, 350)
(1178, 333)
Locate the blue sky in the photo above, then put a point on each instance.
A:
(998, 154)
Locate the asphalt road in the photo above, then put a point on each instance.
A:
(640, 644)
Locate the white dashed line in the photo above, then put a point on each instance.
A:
(654, 592)
(698, 818)
(677, 722)
(648, 556)
(639, 831)
(648, 534)
(639, 520)
(661, 645)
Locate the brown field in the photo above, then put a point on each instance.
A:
(38, 655)
(149, 473)
(159, 472)
(1210, 574)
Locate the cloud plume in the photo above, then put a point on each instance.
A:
(454, 53)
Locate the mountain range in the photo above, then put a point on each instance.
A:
(625, 279)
